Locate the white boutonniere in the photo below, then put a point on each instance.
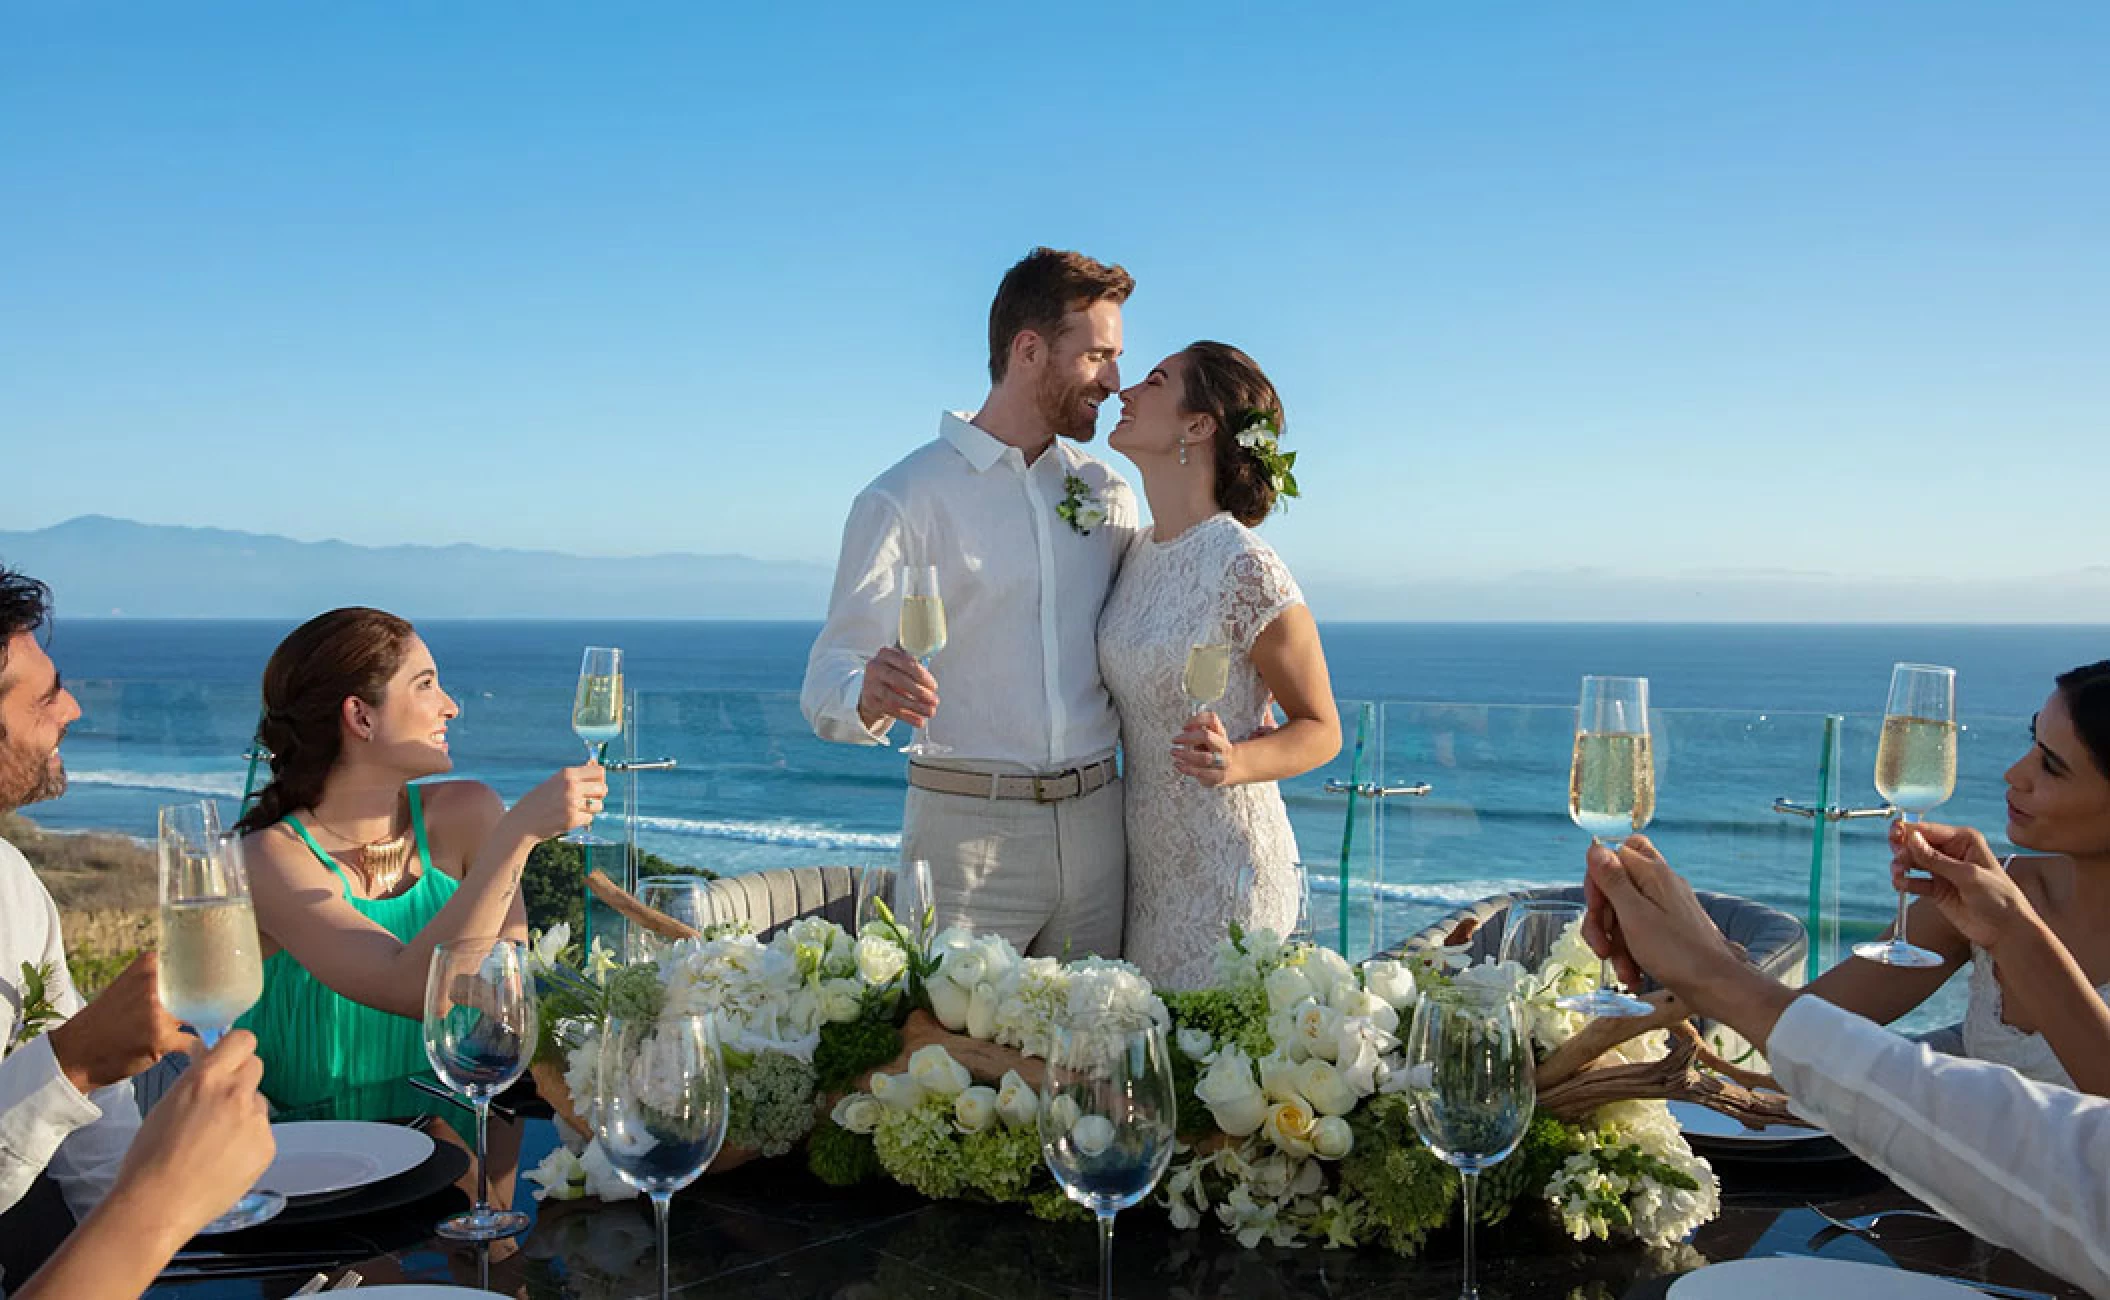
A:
(1080, 509)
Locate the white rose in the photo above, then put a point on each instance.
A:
(841, 1000)
(1195, 1044)
(974, 1109)
(1327, 970)
(1235, 1102)
(1063, 1112)
(1316, 1029)
(897, 1091)
(879, 959)
(858, 1112)
(1322, 1086)
(1286, 988)
(934, 1070)
(1393, 981)
(948, 1001)
(1018, 1103)
(982, 1011)
(1358, 1055)
(1092, 1134)
(1331, 1138)
(1278, 1077)
(1354, 1003)
(1290, 1126)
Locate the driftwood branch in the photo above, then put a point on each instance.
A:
(1676, 1077)
(620, 900)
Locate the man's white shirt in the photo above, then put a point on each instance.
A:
(2019, 1163)
(1018, 679)
(45, 1122)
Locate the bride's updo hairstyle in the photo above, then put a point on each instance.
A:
(2086, 692)
(324, 662)
(1227, 384)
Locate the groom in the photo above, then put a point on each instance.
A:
(1022, 821)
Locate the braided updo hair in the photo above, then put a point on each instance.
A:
(1228, 385)
(326, 660)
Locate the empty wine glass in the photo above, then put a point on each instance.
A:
(897, 900)
(480, 1028)
(1611, 794)
(1107, 1118)
(1470, 1087)
(1915, 771)
(597, 714)
(211, 968)
(686, 899)
(922, 636)
(1531, 927)
(660, 1107)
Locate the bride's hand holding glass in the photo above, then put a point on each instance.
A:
(1204, 751)
(570, 798)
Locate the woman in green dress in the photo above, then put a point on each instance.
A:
(357, 874)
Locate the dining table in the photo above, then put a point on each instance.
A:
(769, 1229)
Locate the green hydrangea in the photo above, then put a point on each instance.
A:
(1405, 1192)
(635, 993)
(918, 1147)
(839, 1157)
(772, 1096)
(1546, 1144)
(1054, 1205)
(1238, 1018)
(1000, 1161)
(849, 1049)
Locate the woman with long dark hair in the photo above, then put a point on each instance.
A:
(357, 873)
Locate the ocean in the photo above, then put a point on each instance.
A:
(1483, 713)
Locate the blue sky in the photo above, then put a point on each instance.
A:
(1643, 290)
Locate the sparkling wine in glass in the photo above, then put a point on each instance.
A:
(1611, 794)
(480, 1028)
(660, 1106)
(1206, 676)
(597, 714)
(211, 967)
(922, 635)
(1471, 1089)
(1915, 771)
(1107, 1118)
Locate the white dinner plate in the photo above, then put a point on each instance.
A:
(1698, 1121)
(1769, 1279)
(322, 1156)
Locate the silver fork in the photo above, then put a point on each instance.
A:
(1864, 1225)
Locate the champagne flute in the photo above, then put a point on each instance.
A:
(597, 714)
(660, 1107)
(1107, 1118)
(1611, 794)
(922, 635)
(480, 1028)
(1915, 771)
(211, 967)
(1206, 676)
(1471, 1089)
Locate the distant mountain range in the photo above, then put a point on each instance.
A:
(102, 566)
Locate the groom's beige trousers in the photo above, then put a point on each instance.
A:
(1050, 877)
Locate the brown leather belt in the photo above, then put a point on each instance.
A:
(1045, 787)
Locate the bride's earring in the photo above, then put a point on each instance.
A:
(1183, 451)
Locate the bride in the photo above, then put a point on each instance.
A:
(1209, 841)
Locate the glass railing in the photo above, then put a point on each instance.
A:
(751, 787)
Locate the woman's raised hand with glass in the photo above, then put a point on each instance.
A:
(572, 797)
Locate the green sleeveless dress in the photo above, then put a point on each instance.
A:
(326, 1056)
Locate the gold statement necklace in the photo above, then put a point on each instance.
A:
(380, 863)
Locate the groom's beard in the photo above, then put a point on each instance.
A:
(1067, 408)
(28, 778)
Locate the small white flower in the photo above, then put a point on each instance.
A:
(1090, 516)
(934, 1070)
(1331, 1138)
(1278, 1077)
(949, 1001)
(879, 959)
(560, 1177)
(1287, 988)
(549, 946)
(983, 1009)
(858, 1112)
(1316, 1029)
(1256, 435)
(840, 1000)
(1290, 1126)
(1194, 1044)
(897, 1091)
(1092, 1134)
(1235, 1102)
(1393, 981)
(1323, 1087)
(601, 1178)
(1063, 1112)
(974, 1109)
(1015, 1101)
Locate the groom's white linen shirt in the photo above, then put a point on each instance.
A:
(1018, 679)
(45, 1122)
(2019, 1163)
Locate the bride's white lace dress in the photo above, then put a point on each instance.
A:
(1987, 1036)
(1189, 847)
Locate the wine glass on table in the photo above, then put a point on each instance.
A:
(1107, 1118)
(1531, 927)
(1611, 794)
(660, 1107)
(680, 898)
(597, 714)
(897, 900)
(1470, 1087)
(211, 965)
(480, 1028)
(922, 636)
(1915, 771)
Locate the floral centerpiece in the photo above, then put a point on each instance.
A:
(914, 1057)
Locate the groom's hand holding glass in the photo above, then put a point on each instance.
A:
(896, 688)
(125, 1030)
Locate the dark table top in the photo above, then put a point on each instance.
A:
(770, 1230)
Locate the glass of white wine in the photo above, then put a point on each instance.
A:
(597, 714)
(1207, 675)
(1471, 1093)
(1915, 771)
(211, 967)
(480, 1028)
(922, 636)
(1611, 794)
